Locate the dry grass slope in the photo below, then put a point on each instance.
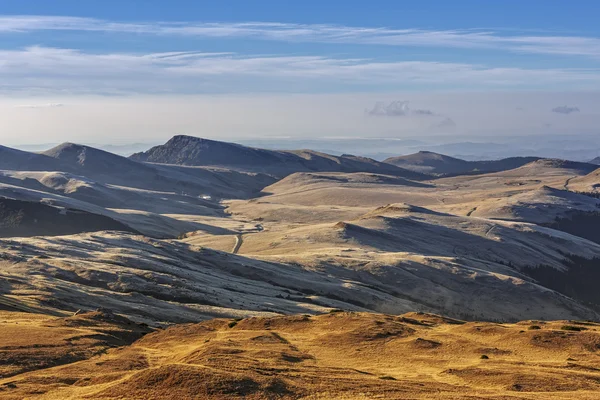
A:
(332, 356)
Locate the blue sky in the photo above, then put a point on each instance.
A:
(532, 14)
(397, 66)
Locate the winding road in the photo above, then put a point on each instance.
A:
(239, 238)
(569, 181)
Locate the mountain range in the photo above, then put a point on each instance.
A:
(199, 267)
(351, 218)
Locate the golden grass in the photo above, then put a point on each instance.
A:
(332, 356)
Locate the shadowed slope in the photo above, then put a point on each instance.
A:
(464, 266)
(24, 218)
(34, 341)
(25, 161)
(167, 281)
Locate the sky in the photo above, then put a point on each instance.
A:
(141, 71)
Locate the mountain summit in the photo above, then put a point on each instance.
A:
(189, 150)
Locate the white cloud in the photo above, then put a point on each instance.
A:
(396, 109)
(42, 70)
(543, 44)
(565, 110)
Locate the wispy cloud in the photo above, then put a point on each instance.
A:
(48, 105)
(542, 44)
(396, 109)
(43, 69)
(565, 110)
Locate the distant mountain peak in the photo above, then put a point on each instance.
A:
(186, 138)
(90, 158)
(195, 139)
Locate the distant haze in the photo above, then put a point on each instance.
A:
(153, 119)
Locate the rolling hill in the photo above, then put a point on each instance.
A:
(589, 183)
(108, 168)
(414, 249)
(392, 264)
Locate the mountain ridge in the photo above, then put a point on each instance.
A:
(440, 164)
(194, 151)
